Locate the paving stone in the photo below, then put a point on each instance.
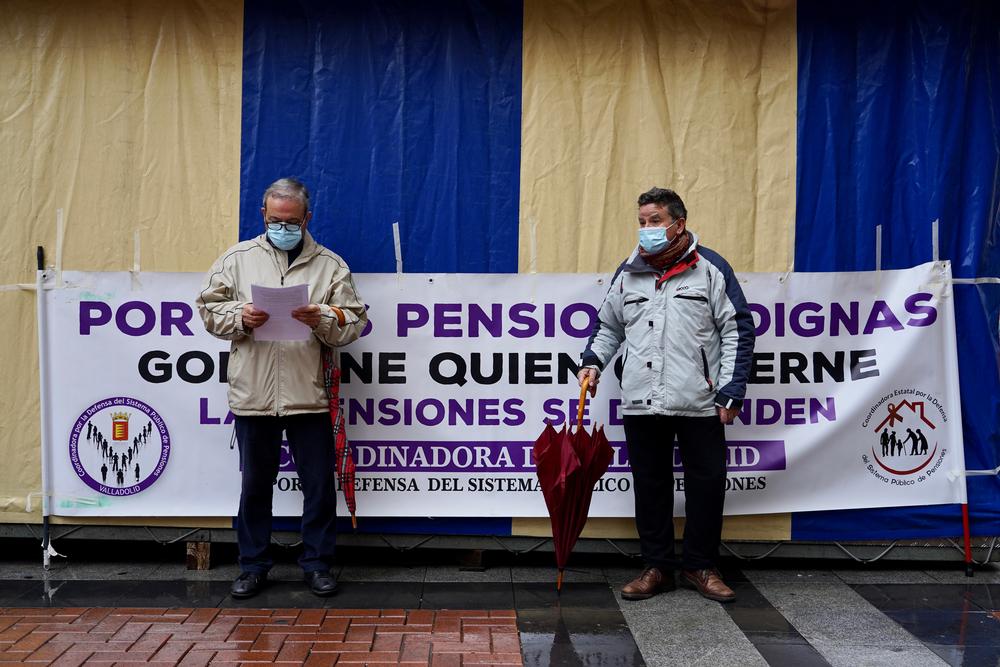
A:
(884, 576)
(198, 637)
(452, 574)
(839, 655)
(835, 613)
(381, 574)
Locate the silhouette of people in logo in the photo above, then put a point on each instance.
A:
(923, 441)
(885, 443)
(910, 435)
(893, 444)
(122, 464)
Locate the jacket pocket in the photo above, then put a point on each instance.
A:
(638, 299)
(637, 385)
(704, 368)
(692, 297)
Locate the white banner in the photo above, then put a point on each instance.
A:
(853, 400)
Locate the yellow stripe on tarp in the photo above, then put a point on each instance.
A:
(696, 95)
(127, 117)
(619, 96)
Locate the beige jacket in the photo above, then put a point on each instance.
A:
(282, 377)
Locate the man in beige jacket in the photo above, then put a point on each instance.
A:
(277, 387)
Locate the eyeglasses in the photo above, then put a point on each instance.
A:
(287, 226)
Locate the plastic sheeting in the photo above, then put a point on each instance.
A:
(391, 111)
(899, 126)
(125, 115)
(621, 96)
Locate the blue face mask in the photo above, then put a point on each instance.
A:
(654, 239)
(285, 239)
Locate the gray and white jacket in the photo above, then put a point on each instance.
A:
(688, 335)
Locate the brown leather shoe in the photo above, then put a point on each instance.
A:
(651, 582)
(709, 584)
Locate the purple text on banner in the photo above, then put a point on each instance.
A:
(517, 457)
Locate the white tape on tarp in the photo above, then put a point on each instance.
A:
(397, 247)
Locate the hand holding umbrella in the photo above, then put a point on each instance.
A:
(568, 465)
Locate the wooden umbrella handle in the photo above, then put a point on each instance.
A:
(583, 397)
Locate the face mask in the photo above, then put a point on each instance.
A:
(285, 239)
(654, 239)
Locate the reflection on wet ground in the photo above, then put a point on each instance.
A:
(816, 615)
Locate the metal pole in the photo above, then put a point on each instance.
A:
(43, 398)
(967, 535)
(878, 247)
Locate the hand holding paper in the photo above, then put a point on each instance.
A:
(279, 303)
(308, 315)
(252, 317)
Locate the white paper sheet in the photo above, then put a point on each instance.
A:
(278, 303)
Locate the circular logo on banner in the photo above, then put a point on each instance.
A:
(904, 445)
(119, 446)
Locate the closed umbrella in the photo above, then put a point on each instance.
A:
(344, 456)
(568, 464)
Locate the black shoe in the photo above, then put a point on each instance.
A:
(321, 583)
(248, 584)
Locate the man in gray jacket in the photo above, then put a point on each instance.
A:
(689, 339)
(277, 386)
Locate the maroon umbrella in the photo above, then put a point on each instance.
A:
(568, 464)
(344, 455)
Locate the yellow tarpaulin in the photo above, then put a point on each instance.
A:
(622, 95)
(125, 115)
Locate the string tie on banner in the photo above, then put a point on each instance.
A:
(955, 474)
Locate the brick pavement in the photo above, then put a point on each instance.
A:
(314, 637)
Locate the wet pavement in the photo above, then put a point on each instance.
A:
(825, 613)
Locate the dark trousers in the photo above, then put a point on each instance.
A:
(702, 444)
(310, 437)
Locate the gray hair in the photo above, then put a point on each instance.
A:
(287, 188)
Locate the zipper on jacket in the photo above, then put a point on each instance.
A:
(641, 299)
(704, 366)
(277, 381)
(691, 297)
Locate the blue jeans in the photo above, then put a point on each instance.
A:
(310, 438)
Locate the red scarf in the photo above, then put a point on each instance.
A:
(667, 256)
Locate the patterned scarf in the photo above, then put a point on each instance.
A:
(674, 251)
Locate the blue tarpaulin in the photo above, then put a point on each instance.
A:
(391, 111)
(899, 126)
